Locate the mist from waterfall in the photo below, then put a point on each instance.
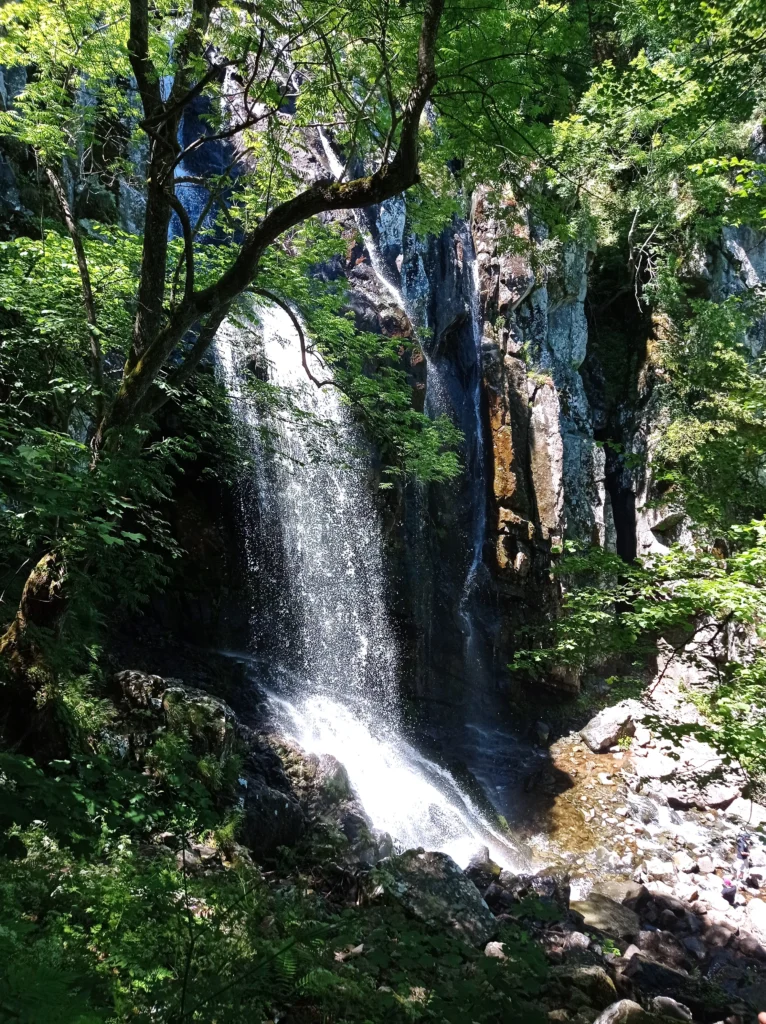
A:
(327, 654)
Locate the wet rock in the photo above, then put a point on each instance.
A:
(625, 1012)
(331, 783)
(611, 724)
(365, 844)
(643, 808)
(608, 916)
(542, 733)
(668, 1007)
(435, 890)
(482, 870)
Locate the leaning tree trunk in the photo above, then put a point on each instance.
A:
(28, 719)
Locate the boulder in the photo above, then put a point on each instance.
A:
(655, 979)
(140, 689)
(591, 979)
(210, 722)
(755, 919)
(496, 950)
(625, 1012)
(436, 891)
(572, 941)
(747, 811)
(692, 774)
(693, 944)
(608, 916)
(684, 862)
(366, 845)
(482, 870)
(660, 870)
(668, 1007)
(551, 889)
(611, 724)
(631, 894)
(664, 947)
(749, 945)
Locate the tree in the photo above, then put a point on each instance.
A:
(262, 79)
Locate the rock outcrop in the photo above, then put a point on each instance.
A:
(435, 890)
(280, 791)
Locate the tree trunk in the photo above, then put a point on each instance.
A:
(28, 714)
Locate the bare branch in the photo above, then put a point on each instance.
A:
(298, 330)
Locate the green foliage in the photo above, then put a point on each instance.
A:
(693, 601)
(366, 368)
(115, 921)
(712, 445)
(656, 163)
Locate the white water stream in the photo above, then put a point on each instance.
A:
(328, 646)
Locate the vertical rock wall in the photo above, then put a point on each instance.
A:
(548, 470)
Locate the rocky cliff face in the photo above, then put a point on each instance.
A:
(569, 417)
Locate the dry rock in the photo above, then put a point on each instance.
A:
(435, 890)
(608, 916)
(611, 724)
(624, 1012)
(755, 919)
(668, 1007)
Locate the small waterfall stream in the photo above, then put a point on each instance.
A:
(328, 656)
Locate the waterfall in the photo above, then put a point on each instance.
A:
(328, 654)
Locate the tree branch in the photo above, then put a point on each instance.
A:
(186, 227)
(138, 51)
(97, 357)
(158, 396)
(298, 330)
(388, 180)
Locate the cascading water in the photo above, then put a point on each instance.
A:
(328, 656)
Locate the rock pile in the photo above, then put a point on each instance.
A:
(635, 952)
